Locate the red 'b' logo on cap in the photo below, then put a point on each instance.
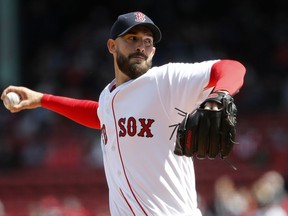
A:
(140, 17)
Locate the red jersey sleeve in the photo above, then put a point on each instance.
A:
(83, 112)
(227, 75)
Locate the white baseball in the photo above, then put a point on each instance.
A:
(11, 99)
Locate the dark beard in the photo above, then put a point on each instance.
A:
(132, 70)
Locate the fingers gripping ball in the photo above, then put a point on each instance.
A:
(11, 99)
(208, 133)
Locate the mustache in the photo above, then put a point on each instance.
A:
(138, 54)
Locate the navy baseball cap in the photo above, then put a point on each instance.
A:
(127, 21)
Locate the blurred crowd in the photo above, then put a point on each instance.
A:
(51, 205)
(63, 52)
(63, 49)
(266, 196)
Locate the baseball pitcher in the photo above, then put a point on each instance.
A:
(149, 168)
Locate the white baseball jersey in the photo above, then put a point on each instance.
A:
(144, 176)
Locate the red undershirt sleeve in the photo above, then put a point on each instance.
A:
(227, 75)
(83, 112)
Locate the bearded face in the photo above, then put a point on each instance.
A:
(135, 65)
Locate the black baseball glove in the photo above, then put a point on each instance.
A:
(208, 133)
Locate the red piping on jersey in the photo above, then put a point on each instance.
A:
(119, 151)
(127, 201)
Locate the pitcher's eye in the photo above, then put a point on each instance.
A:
(132, 38)
(148, 42)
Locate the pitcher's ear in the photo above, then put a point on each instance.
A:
(111, 45)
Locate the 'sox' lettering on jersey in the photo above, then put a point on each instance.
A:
(129, 127)
(146, 127)
(140, 17)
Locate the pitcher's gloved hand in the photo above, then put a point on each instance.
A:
(207, 132)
